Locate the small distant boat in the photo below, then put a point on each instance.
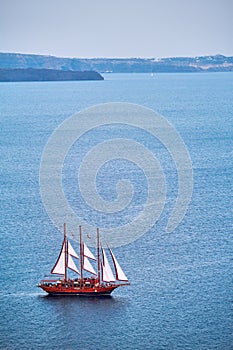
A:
(101, 283)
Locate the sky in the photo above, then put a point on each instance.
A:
(117, 28)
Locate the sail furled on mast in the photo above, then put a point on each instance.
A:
(107, 275)
(87, 266)
(120, 275)
(59, 267)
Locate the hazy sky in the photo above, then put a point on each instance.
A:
(117, 28)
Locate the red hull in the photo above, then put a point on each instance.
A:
(59, 288)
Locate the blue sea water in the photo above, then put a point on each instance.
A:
(181, 283)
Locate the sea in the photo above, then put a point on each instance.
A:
(181, 291)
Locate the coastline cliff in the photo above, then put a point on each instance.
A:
(217, 63)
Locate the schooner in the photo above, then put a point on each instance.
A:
(100, 283)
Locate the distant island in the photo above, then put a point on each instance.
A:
(84, 66)
(33, 74)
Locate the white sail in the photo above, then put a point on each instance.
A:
(105, 276)
(71, 251)
(106, 269)
(71, 264)
(87, 266)
(59, 267)
(120, 276)
(87, 252)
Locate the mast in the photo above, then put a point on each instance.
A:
(98, 253)
(66, 252)
(81, 252)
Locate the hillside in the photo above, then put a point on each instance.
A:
(218, 63)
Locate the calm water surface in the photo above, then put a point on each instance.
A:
(181, 283)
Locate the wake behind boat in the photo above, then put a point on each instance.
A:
(101, 283)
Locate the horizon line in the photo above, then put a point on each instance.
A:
(114, 57)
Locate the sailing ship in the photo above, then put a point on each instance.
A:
(100, 283)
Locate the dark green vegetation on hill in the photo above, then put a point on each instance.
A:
(32, 74)
(218, 63)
